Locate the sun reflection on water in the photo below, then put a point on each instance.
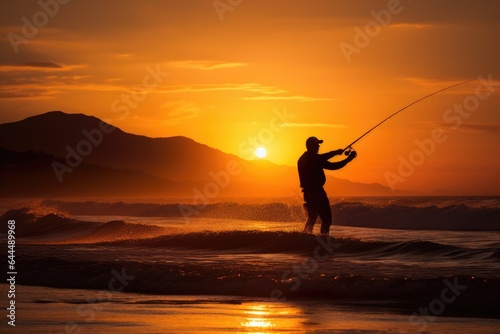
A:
(257, 323)
(262, 318)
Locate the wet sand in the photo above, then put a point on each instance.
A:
(49, 310)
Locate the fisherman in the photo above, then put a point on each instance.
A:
(312, 179)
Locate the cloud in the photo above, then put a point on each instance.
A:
(31, 92)
(124, 55)
(269, 92)
(411, 26)
(436, 84)
(314, 125)
(48, 64)
(429, 82)
(44, 66)
(176, 113)
(464, 127)
(246, 87)
(300, 98)
(474, 127)
(179, 111)
(206, 65)
(48, 86)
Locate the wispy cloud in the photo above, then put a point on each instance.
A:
(178, 111)
(206, 65)
(435, 84)
(480, 127)
(34, 92)
(48, 86)
(410, 26)
(427, 82)
(246, 87)
(290, 97)
(267, 93)
(44, 66)
(124, 55)
(314, 125)
(48, 64)
(464, 127)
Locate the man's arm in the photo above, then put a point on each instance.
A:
(338, 165)
(331, 154)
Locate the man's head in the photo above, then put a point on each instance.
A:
(312, 144)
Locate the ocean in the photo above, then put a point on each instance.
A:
(247, 268)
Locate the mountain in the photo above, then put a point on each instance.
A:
(29, 174)
(60, 134)
(82, 152)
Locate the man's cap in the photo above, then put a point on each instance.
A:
(313, 141)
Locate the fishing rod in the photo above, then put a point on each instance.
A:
(349, 148)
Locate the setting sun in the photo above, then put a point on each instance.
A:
(260, 152)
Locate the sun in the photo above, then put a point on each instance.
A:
(260, 152)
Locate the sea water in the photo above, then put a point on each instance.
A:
(210, 275)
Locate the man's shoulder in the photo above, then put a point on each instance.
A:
(306, 156)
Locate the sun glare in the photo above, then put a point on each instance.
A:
(260, 152)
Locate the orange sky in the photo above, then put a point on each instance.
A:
(225, 77)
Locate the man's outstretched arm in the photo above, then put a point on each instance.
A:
(338, 165)
(331, 154)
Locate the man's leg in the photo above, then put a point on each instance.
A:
(325, 213)
(312, 215)
(326, 221)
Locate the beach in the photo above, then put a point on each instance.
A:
(49, 310)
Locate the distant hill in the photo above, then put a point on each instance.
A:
(116, 162)
(176, 158)
(29, 174)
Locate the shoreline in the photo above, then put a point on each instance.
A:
(57, 310)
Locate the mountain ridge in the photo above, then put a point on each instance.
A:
(77, 139)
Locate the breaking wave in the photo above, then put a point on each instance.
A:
(59, 251)
(412, 213)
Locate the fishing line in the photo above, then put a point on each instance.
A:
(349, 148)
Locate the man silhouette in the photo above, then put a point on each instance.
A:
(312, 177)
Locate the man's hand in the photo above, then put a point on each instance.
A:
(352, 155)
